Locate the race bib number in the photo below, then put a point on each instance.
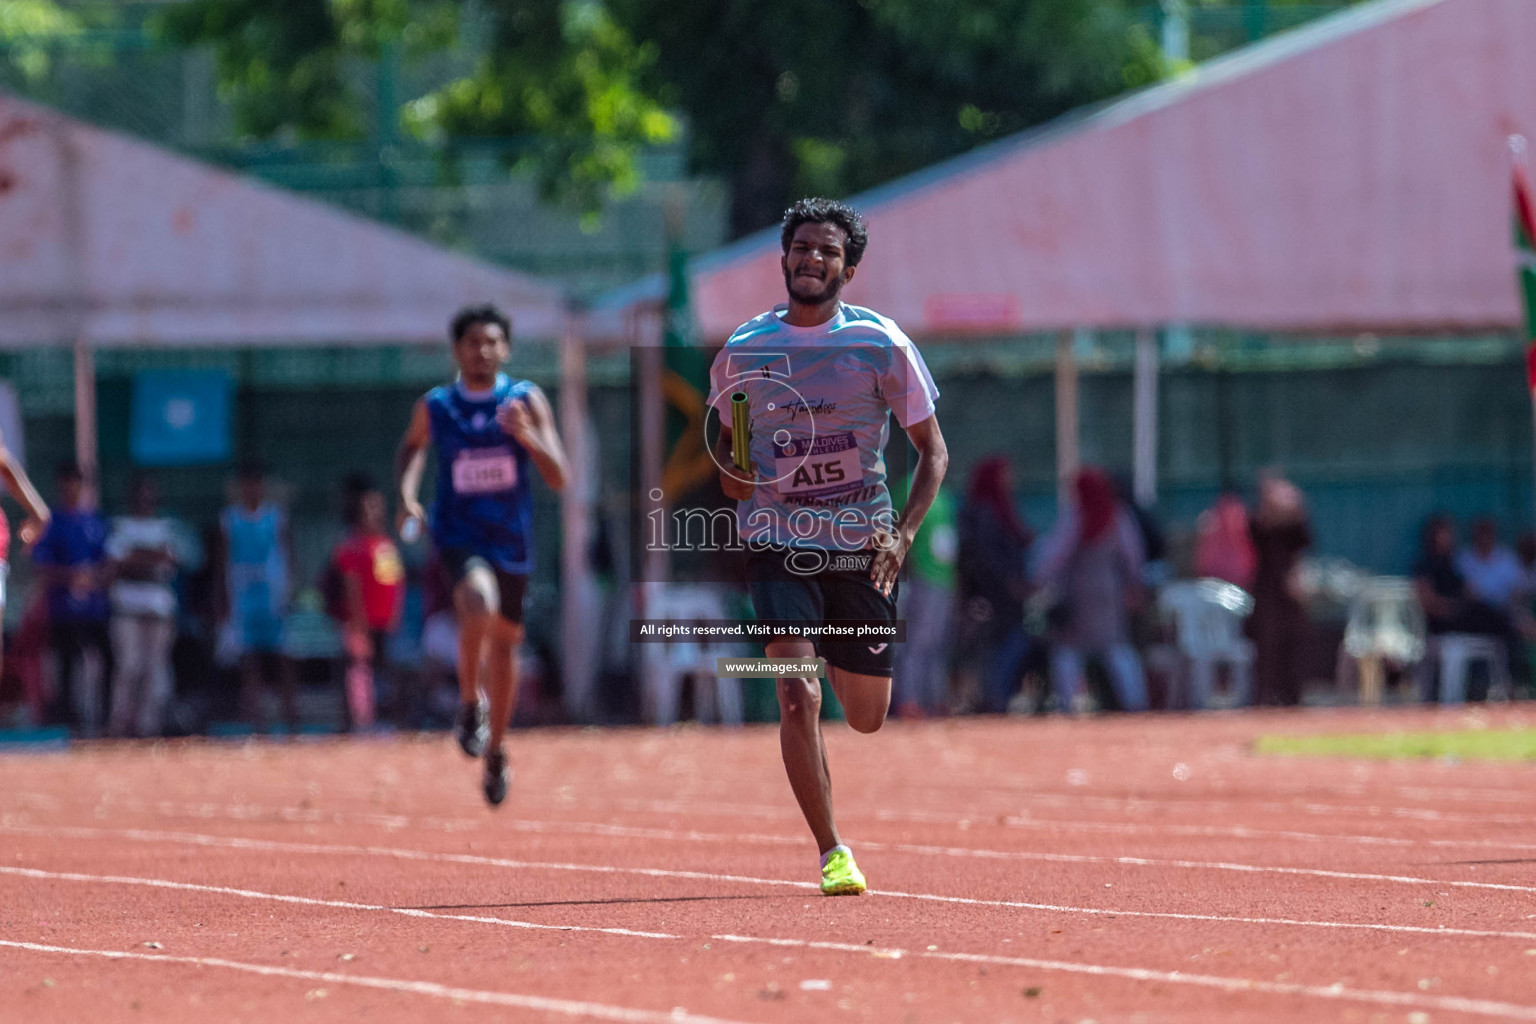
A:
(820, 466)
(484, 471)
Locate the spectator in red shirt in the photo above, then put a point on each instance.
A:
(366, 590)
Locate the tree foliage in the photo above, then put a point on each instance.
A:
(781, 97)
(801, 96)
(560, 76)
(29, 28)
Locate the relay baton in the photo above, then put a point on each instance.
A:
(741, 432)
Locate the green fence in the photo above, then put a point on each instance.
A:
(1378, 436)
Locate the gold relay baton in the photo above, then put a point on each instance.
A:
(741, 431)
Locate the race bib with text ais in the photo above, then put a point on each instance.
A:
(819, 467)
(484, 470)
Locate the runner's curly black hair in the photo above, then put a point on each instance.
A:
(815, 210)
(467, 317)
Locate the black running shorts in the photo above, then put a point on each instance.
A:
(815, 587)
(511, 587)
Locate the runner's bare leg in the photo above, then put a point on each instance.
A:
(474, 599)
(802, 746)
(502, 676)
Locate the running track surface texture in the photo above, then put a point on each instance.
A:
(1113, 869)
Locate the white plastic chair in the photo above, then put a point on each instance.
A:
(1208, 619)
(1385, 626)
(675, 661)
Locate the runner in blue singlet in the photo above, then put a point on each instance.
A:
(256, 549)
(489, 432)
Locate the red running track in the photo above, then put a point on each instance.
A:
(1117, 869)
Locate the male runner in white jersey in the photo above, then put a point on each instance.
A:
(822, 378)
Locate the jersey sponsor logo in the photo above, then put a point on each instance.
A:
(816, 408)
(859, 497)
(387, 569)
(484, 470)
(878, 648)
(819, 466)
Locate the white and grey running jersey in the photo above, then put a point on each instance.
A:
(820, 400)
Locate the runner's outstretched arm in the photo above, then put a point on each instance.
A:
(411, 462)
(532, 422)
(932, 463)
(22, 490)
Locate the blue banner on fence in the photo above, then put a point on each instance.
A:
(180, 417)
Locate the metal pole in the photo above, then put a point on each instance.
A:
(1144, 419)
(653, 413)
(651, 505)
(1175, 34)
(1066, 416)
(85, 416)
(578, 642)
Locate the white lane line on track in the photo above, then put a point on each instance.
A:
(395, 822)
(237, 843)
(255, 894)
(1126, 804)
(1204, 831)
(1338, 990)
(1506, 1011)
(567, 1007)
(1008, 819)
(939, 851)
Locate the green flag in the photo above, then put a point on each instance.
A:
(685, 386)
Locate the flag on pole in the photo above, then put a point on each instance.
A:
(1525, 248)
(684, 384)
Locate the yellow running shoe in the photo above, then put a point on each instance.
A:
(840, 876)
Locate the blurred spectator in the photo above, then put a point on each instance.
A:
(1436, 580)
(364, 593)
(142, 549)
(1154, 546)
(1479, 591)
(71, 562)
(21, 489)
(1492, 572)
(1525, 550)
(993, 544)
(1442, 590)
(255, 546)
(1223, 545)
(925, 603)
(1092, 558)
(1281, 534)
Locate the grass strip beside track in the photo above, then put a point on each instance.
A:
(1472, 745)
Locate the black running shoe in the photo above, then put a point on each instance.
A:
(497, 777)
(473, 728)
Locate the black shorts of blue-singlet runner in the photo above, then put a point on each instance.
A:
(842, 590)
(511, 587)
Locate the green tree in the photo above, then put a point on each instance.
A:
(800, 96)
(29, 29)
(560, 76)
(782, 97)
